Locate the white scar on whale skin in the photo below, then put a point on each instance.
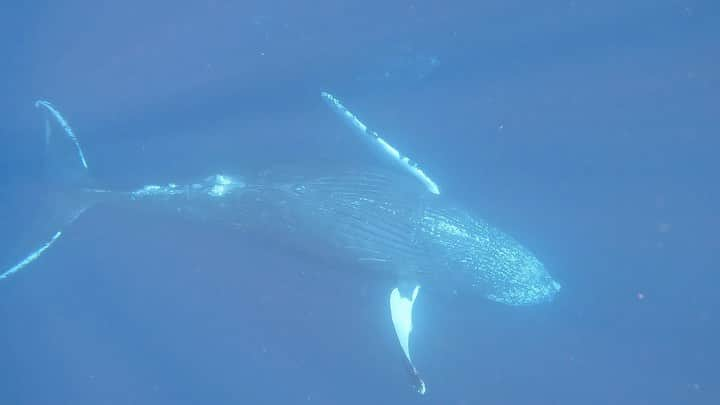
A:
(223, 184)
(388, 149)
(216, 186)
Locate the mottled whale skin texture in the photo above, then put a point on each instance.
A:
(381, 221)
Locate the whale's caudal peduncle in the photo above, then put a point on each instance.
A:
(394, 223)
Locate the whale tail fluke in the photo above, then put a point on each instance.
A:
(66, 164)
(69, 183)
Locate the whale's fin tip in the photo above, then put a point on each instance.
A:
(31, 257)
(66, 160)
(401, 307)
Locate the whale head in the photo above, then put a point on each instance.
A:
(488, 260)
(517, 277)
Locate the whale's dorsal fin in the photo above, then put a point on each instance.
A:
(378, 142)
(401, 306)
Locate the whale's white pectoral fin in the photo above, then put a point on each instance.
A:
(377, 141)
(401, 311)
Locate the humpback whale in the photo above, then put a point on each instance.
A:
(393, 222)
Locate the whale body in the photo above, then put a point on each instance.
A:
(368, 217)
(384, 221)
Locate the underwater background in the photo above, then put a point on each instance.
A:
(587, 130)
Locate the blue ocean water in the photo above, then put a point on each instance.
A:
(585, 130)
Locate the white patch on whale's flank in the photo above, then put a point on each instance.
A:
(218, 185)
(438, 224)
(65, 126)
(31, 257)
(223, 184)
(388, 149)
(401, 312)
(153, 190)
